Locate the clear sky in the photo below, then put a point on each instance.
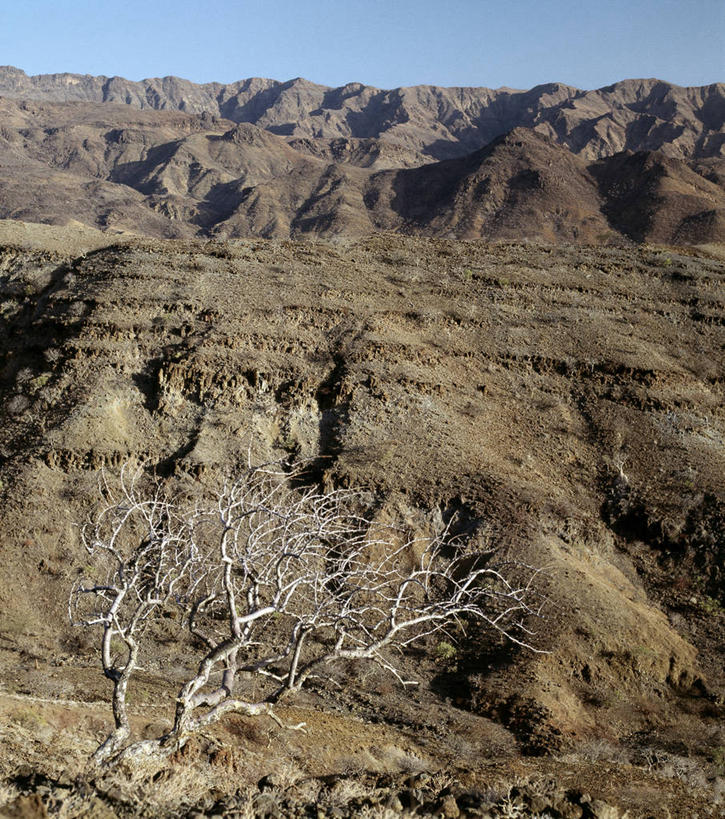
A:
(386, 43)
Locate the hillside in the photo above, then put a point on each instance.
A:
(168, 174)
(442, 123)
(563, 405)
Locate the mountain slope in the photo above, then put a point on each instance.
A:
(562, 405)
(656, 198)
(439, 122)
(169, 174)
(521, 185)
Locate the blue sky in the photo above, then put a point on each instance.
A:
(386, 43)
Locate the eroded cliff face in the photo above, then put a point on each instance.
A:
(564, 405)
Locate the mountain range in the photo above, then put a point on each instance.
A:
(640, 160)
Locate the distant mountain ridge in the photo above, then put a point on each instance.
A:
(354, 161)
(440, 123)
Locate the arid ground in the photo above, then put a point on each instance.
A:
(561, 404)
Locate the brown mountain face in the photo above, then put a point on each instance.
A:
(656, 198)
(297, 159)
(520, 186)
(442, 123)
(57, 163)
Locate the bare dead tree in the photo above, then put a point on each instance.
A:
(272, 585)
(143, 556)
